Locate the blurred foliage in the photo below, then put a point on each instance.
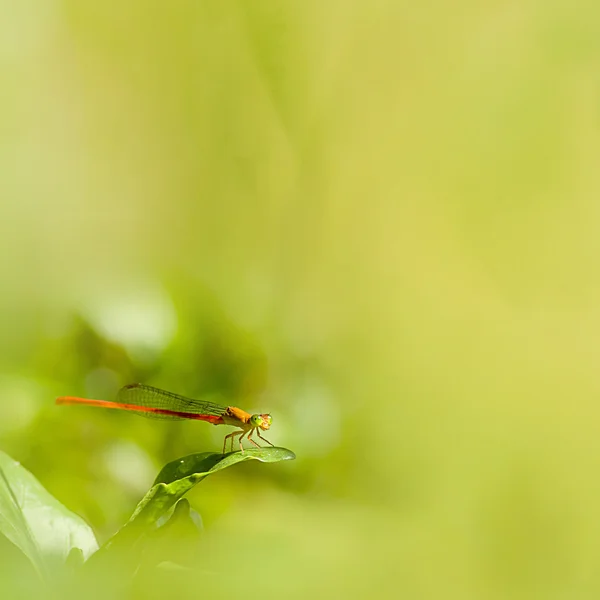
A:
(376, 220)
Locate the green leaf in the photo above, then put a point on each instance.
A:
(180, 476)
(174, 480)
(37, 523)
(176, 540)
(182, 515)
(207, 463)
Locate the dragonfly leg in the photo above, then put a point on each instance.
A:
(235, 434)
(232, 435)
(263, 439)
(250, 438)
(225, 441)
(242, 437)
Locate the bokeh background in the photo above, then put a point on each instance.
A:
(378, 220)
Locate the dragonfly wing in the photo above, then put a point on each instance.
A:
(155, 403)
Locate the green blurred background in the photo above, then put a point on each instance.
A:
(378, 220)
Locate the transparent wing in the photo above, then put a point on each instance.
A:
(175, 407)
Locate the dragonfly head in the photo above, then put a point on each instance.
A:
(263, 421)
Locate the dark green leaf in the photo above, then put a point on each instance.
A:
(206, 463)
(174, 480)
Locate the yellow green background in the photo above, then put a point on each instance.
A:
(378, 220)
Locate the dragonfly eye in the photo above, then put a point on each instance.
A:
(255, 420)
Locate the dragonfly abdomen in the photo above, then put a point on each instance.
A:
(146, 411)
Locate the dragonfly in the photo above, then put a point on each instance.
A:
(155, 403)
